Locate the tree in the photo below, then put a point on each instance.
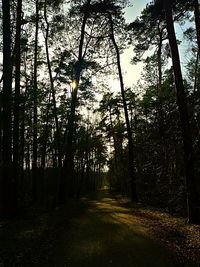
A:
(193, 199)
(197, 21)
(16, 150)
(130, 137)
(35, 106)
(55, 113)
(78, 66)
(7, 183)
(113, 127)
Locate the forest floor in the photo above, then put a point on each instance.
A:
(99, 232)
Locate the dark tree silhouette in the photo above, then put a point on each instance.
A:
(6, 178)
(129, 131)
(193, 198)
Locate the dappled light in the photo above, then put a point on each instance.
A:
(99, 237)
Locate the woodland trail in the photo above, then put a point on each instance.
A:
(97, 232)
(106, 234)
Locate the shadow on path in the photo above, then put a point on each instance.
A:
(106, 234)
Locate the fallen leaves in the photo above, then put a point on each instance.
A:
(174, 232)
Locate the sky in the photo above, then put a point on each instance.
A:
(131, 73)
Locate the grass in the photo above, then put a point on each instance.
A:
(92, 232)
(108, 235)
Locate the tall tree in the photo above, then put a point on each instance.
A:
(55, 112)
(197, 21)
(6, 176)
(78, 66)
(52, 86)
(193, 198)
(35, 106)
(128, 126)
(16, 154)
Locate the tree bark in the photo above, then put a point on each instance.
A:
(6, 179)
(35, 112)
(159, 85)
(58, 136)
(69, 154)
(193, 199)
(16, 154)
(134, 196)
(197, 21)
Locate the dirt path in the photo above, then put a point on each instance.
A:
(105, 235)
(85, 233)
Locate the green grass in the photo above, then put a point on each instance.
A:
(106, 234)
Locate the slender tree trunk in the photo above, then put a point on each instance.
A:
(159, 59)
(35, 109)
(52, 90)
(58, 141)
(68, 161)
(196, 78)
(6, 179)
(134, 196)
(195, 97)
(87, 152)
(197, 21)
(22, 132)
(1, 125)
(45, 135)
(113, 134)
(22, 143)
(193, 198)
(16, 154)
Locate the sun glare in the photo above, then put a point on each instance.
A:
(74, 84)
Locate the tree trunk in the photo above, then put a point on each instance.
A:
(58, 136)
(45, 135)
(134, 196)
(22, 133)
(6, 179)
(69, 154)
(197, 21)
(113, 135)
(159, 85)
(52, 91)
(193, 199)
(35, 103)
(16, 154)
(1, 125)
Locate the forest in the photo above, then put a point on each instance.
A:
(65, 133)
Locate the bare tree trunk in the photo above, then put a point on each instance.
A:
(35, 113)
(159, 59)
(45, 135)
(16, 154)
(53, 91)
(22, 133)
(6, 179)
(197, 21)
(134, 196)
(193, 199)
(113, 135)
(58, 136)
(69, 154)
(1, 125)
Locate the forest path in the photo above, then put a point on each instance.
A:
(101, 233)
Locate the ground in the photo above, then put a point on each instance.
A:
(98, 232)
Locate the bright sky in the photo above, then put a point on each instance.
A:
(131, 72)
